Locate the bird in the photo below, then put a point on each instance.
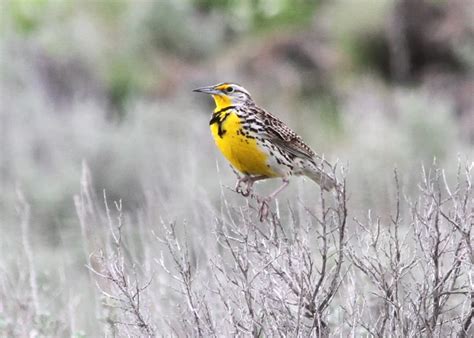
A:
(260, 146)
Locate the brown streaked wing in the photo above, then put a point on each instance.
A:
(281, 135)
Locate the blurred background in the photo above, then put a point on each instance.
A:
(374, 85)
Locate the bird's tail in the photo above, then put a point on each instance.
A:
(322, 174)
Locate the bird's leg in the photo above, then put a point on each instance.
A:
(265, 202)
(250, 183)
(241, 179)
(250, 180)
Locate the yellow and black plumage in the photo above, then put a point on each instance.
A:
(258, 144)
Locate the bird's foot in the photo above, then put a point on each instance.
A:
(247, 189)
(264, 207)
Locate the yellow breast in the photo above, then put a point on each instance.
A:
(243, 153)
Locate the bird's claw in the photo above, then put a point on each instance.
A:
(264, 208)
(244, 191)
(237, 185)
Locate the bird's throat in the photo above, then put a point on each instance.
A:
(221, 101)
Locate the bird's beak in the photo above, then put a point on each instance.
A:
(207, 90)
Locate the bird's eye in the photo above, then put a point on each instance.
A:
(229, 89)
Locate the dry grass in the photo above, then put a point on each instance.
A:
(317, 272)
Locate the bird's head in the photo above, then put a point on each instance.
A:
(226, 94)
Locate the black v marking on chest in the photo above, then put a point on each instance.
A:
(219, 117)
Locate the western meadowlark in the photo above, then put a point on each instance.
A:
(259, 145)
